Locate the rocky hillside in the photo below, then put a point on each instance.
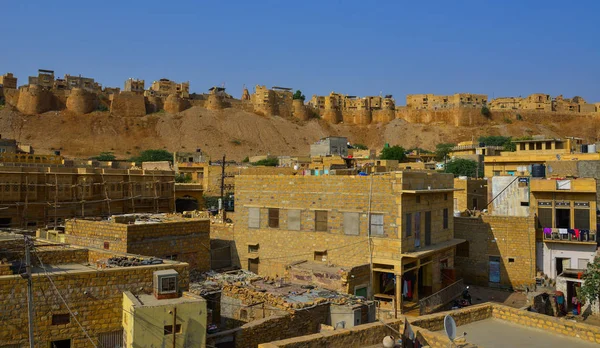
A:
(238, 134)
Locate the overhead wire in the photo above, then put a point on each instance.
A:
(63, 300)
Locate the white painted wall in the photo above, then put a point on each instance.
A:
(565, 250)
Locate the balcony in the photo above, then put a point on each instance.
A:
(590, 237)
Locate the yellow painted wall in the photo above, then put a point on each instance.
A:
(143, 326)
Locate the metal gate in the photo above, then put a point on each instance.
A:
(111, 339)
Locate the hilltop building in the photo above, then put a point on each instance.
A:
(440, 102)
(8, 81)
(165, 87)
(86, 83)
(274, 101)
(44, 79)
(337, 107)
(543, 102)
(134, 85)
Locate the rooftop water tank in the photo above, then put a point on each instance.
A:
(538, 171)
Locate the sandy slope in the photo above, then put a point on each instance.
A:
(239, 134)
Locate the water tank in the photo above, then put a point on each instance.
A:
(538, 171)
(592, 148)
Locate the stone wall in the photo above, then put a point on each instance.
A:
(299, 110)
(557, 326)
(94, 234)
(35, 100)
(154, 104)
(95, 296)
(383, 116)
(214, 102)
(128, 104)
(510, 239)
(336, 279)
(336, 195)
(174, 104)
(473, 195)
(187, 241)
(221, 231)
(279, 327)
(81, 101)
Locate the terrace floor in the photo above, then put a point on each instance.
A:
(492, 333)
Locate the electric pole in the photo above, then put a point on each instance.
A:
(223, 188)
(29, 288)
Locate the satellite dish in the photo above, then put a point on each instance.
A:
(388, 342)
(450, 327)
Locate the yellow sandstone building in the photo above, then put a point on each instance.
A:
(536, 151)
(403, 220)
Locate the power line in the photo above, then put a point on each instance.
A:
(63, 300)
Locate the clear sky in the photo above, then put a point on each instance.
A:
(499, 47)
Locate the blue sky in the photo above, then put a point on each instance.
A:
(501, 48)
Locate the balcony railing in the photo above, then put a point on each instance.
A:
(584, 236)
(440, 298)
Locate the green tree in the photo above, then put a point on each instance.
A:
(418, 150)
(299, 95)
(154, 156)
(183, 178)
(498, 140)
(463, 167)
(486, 112)
(269, 162)
(246, 159)
(494, 140)
(393, 153)
(442, 150)
(591, 282)
(105, 156)
(360, 146)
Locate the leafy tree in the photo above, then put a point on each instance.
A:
(591, 282)
(442, 150)
(486, 112)
(360, 146)
(393, 153)
(498, 140)
(105, 156)
(494, 140)
(299, 95)
(463, 167)
(102, 107)
(419, 150)
(246, 160)
(183, 178)
(154, 156)
(269, 162)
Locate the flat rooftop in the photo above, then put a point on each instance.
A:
(143, 219)
(150, 300)
(496, 333)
